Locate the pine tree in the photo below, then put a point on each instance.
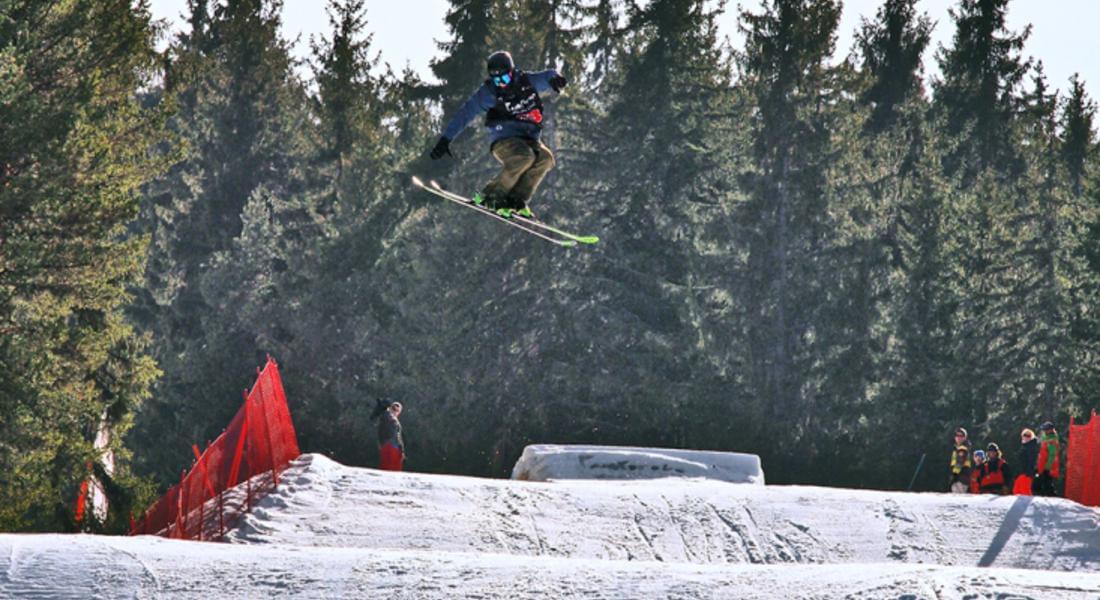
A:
(1079, 157)
(75, 147)
(462, 68)
(785, 75)
(657, 169)
(978, 93)
(1078, 134)
(603, 37)
(242, 113)
(891, 48)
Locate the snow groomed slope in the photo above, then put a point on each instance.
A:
(336, 531)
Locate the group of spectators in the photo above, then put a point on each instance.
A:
(1038, 465)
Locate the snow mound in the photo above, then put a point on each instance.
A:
(545, 462)
(321, 503)
(334, 531)
(60, 567)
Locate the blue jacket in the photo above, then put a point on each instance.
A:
(484, 99)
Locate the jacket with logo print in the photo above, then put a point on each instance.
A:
(515, 111)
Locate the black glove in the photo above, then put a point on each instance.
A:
(558, 82)
(443, 146)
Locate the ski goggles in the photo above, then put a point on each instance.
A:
(502, 79)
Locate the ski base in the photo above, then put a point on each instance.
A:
(532, 226)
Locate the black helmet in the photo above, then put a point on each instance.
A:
(1048, 426)
(499, 62)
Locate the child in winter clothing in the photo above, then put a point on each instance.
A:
(960, 471)
(960, 440)
(1049, 464)
(995, 473)
(979, 460)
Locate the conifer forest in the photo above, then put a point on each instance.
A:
(828, 260)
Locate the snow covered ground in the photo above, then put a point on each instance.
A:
(336, 531)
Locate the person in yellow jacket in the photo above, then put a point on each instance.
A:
(1049, 466)
(960, 471)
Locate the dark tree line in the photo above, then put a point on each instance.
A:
(810, 257)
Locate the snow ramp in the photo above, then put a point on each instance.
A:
(336, 531)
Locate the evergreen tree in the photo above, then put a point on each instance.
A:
(603, 37)
(891, 48)
(658, 168)
(243, 115)
(1078, 134)
(1079, 156)
(346, 90)
(978, 93)
(462, 68)
(785, 75)
(75, 146)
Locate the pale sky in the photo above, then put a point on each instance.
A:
(1064, 34)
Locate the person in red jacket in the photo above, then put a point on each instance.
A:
(1049, 465)
(995, 473)
(975, 474)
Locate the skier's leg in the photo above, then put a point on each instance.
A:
(516, 157)
(527, 185)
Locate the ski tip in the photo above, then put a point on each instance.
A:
(588, 239)
(435, 184)
(417, 182)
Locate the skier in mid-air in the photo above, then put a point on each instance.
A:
(510, 99)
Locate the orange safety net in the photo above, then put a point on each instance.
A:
(258, 443)
(1083, 462)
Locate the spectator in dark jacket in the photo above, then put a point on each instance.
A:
(391, 447)
(1025, 463)
(995, 473)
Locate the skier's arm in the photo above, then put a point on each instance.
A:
(547, 80)
(482, 100)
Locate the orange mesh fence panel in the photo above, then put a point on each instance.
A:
(1083, 462)
(259, 446)
(1091, 496)
(259, 440)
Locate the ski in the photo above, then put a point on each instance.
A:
(583, 239)
(438, 191)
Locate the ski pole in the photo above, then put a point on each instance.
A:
(915, 473)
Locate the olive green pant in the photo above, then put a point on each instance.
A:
(526, 162)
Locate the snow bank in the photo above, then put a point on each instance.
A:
(544, 462)
(333, 531)
(321, 503)
(60, 567)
